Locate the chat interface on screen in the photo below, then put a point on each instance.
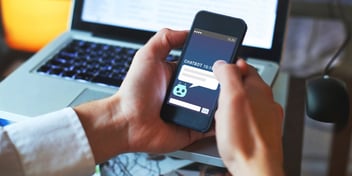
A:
(195, 87)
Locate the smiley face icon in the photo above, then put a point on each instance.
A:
(180, 90)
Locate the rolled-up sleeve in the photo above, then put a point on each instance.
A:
(52, 144)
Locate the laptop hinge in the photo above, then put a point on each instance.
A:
(122, 36)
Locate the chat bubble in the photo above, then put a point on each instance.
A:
(198, 77)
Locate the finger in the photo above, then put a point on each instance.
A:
(159, 46)
(232, 91)
(195, 136)
(252, 78)
(243, 66)
(246, 69)
(228, 75)
(210, 133)
(173, 66)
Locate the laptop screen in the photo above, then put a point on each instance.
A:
(152, 15)
(137, 21)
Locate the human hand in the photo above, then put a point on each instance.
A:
(142, 94)
(248, 122)
(130, 121)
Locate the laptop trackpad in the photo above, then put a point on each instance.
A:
(89, 95)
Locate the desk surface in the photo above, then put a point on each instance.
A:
(205, 151)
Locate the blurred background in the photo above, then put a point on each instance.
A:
(314, 33)
(26, 26)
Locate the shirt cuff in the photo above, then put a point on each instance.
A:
(53, 144)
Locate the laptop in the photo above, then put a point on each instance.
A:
(48, 80)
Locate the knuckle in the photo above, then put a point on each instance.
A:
(280, 110)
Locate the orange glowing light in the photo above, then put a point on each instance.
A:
(31, 24)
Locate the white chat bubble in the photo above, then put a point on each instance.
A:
(198, 77)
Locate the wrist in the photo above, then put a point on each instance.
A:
(260, 164)
(104, 127)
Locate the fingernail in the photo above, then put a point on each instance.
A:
(219, 62)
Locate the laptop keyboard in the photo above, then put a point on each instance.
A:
(92, 62)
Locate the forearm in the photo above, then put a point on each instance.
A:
(106, 132)
(262, 162)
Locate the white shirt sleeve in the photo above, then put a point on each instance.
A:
(52, 144)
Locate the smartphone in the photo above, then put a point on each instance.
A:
(191, 98)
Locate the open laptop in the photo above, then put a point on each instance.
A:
(40, 85)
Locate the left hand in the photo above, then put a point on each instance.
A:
(130, 120)
(142, 94)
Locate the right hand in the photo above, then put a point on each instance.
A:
(248, 122)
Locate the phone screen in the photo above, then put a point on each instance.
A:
(195, 87)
